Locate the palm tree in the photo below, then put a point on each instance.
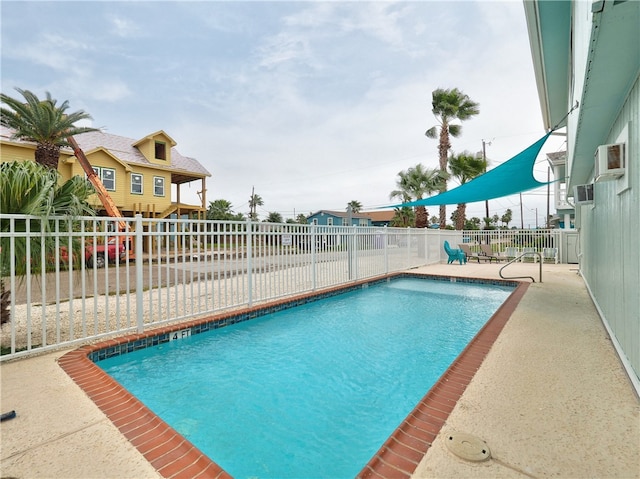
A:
(355, 205)
(31, 189)
(42, 122)
(448, 106)
(464, 167)
(507, 217)
(219, 210)
(274, 217)
(414, 184)
(254, 201)
(403, 217)
(222, 210)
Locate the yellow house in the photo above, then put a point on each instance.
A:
(137, 174)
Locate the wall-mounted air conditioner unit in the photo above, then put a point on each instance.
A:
(583, 194)
(610, 161)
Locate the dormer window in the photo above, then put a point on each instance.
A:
(161, 150)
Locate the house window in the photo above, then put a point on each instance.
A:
(345, 221)
(136, 184)
(161, 151)
(329, 221)
(158, 186)
(364, 222)
(315, 221)
(108, 176)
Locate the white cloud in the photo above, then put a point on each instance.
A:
(123, 27)
(53, 51)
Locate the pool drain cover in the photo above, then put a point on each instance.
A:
(468, 447)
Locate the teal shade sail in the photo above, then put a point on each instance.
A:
(511, 177)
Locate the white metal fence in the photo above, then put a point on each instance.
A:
(59, 295)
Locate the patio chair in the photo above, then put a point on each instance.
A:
(550, 255)
(488, 253)
(454, 254)
(510, 252)
(529, 258)
(468, 253)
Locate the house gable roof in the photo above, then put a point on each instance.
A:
(381, 215)
(154, 137)
(90, 153)
(183, 168)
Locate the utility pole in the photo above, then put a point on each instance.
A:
(484, 158)
(547, 223)
(252, 204)
(521, 215)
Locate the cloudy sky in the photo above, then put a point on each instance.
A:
(313, 104)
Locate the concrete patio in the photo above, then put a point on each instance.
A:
(550, 400)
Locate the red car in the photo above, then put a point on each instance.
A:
(104, 252)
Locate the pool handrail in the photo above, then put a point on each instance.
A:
(516, 259)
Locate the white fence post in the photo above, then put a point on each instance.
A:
(314, 272)
(385, 244)
(139, 277)
(249, 261)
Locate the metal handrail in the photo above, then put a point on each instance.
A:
(516, 259)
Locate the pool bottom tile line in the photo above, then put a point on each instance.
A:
(173, 456)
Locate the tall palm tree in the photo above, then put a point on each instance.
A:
(464, 167)
(416, 183)
(42, 122)
(255, 200)
(356, 206)
(448, 106)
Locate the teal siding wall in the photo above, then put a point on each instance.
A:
(609, 235)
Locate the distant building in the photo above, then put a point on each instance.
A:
(381, 218)
(138, 174)
(338, 218)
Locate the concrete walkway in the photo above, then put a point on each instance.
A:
(550, 400)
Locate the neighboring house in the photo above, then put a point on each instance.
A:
(381, 218)
(588, 52)
(565, 211)
(338, 218)
(138, 174)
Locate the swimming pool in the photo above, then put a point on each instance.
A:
(379, 373)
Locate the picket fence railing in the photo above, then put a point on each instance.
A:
(59, 296)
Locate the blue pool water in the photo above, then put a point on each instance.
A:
(311, 391)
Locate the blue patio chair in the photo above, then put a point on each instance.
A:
(454, 254)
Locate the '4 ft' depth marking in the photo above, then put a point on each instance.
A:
(185, 333)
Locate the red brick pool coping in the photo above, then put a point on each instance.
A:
(173, 456)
